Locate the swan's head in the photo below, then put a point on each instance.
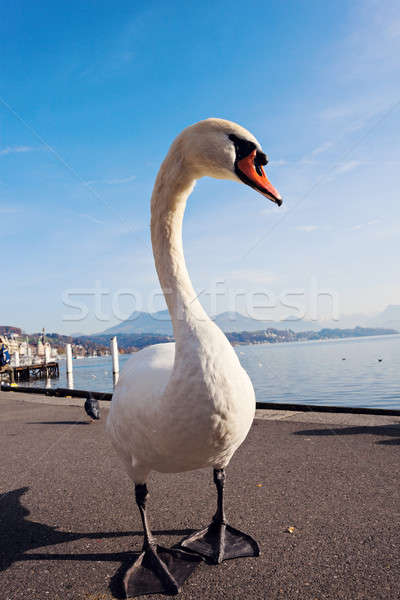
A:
(225, 150)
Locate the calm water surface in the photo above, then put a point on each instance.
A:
(303, 372)
(315, 372)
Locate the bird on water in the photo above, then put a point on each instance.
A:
(187, 405)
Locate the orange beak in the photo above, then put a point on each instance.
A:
(255, 177)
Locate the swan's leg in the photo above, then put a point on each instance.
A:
(219, 541)
(157, 569)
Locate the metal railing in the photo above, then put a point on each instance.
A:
(66, 392)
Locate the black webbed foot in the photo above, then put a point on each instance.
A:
(159, 570)
(219, 542)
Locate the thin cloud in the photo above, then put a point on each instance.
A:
(115, 181)
(368, 224)
(252, 275)
(348, 166)
(338, 112)
(307, 228)
(358, 112)
(309, 159)
(388, 232)
(8, 210)
(393, 29)
(274, 210)
(278, 163)
(322, 148)
(91, 218)
(121, 180)
(16, 150)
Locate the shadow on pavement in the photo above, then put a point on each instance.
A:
(58, 423)
(392, 431)
(18, 535)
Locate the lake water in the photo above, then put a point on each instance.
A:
(302, 372)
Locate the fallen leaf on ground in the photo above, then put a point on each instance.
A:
(291, 529)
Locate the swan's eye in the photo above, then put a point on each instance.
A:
(243, 147)
(259, 160)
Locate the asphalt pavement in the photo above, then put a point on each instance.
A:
(320, 494)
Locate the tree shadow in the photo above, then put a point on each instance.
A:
(392, 430)
(19, 535)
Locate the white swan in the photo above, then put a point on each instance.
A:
(187, 405)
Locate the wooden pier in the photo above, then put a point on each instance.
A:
(27, 372)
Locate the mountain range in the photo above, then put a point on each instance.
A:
(160, 322)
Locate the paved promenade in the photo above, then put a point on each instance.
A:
(69, 526)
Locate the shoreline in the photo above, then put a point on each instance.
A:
(322, 340)
(291, 414)
(61, 397)
(304, 373)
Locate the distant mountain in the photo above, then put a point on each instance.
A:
(131, 342)
(142, 322)
(389, 318)
(234, 321)
(231, 322)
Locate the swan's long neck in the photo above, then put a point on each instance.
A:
(173, 185)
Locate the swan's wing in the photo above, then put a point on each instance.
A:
(135, 401)
(146, 374)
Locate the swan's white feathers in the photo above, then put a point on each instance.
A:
(173, 420)
(183, 407)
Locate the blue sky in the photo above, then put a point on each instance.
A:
(93, 93)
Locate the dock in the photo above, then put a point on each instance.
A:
(319, 492)
(47, 370)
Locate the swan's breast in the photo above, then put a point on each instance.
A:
(210, 400)
(177, 413)
(134, 419)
